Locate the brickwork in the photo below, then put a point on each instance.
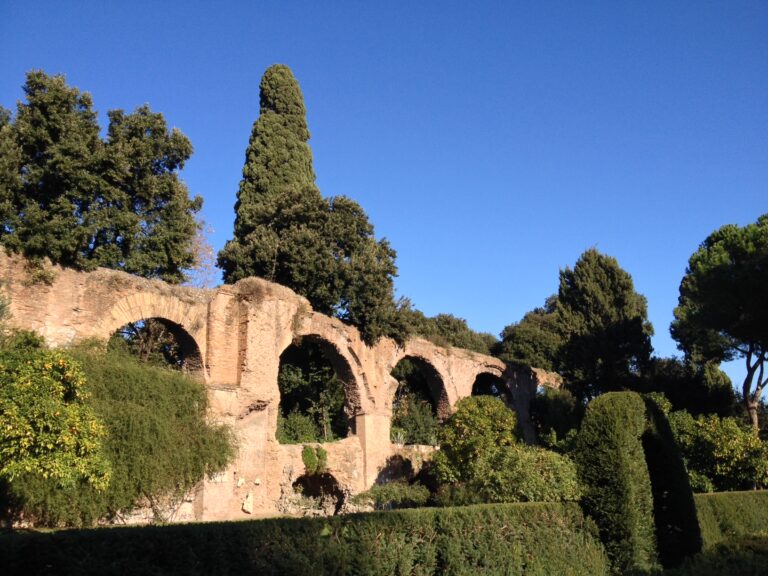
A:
(239, 332)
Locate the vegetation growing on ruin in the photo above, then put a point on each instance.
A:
(109, 434)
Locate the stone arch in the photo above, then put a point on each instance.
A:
(342, 368)
(490, 383)
(187, 323)
(435, 381)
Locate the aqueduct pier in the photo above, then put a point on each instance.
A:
(235, 335)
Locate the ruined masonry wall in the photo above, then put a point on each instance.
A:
(241, 330)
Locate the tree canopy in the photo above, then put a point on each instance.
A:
(286, 232)
(721, 313)
(81, 201)
(595, 331)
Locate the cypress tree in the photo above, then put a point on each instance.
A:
(286, 232)
(280, 214)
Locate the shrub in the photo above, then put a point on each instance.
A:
(677, 528)
(157, 441)
(475, 432)
(315, 460)
(617, 486)
(397, 494)
(720, 453)
(731, 515)
(49, 434)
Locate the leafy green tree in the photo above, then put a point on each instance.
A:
(150, 227)
(721, 313)
(720, 453)
(67, 195)
(286, 232)
(699, 389)
(534, 341)
(447, 330)
(157, 442)
(414, 409)
(595, 332)
(480, 426)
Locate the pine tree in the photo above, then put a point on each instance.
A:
(608, 336)
(286, 232)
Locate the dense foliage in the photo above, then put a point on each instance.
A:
(286, 232)
(595, 332)
(81, 201)
(50, 432)
(731, 514)
(677, 528)
(617, 485)
(721, 313)
(720, 453)
(481, 460)
(414, 408)
(312, 397)
(157, 442)
(526, 539)
(447, 330)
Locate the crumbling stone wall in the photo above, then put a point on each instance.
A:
(239, 332)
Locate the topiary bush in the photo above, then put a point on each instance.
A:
(674, 510)
(617, 486)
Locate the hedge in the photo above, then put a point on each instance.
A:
(727, 516)
(617, 486)
(677, 528)
(531, 539)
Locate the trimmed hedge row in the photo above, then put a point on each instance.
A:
(727, 516)
(532, 539)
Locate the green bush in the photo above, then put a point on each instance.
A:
(475, 432)
(50, 434)
(739, 557)
(393, 495)
(731, 515)
(525, 539)
(677, 528)
(315, 459)
(720, 453)
(157, 441)
(617, 486)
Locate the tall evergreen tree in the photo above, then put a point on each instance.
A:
(595, 331)
(68, 195)
(608, 335)
(286, 232)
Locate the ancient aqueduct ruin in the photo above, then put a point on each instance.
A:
(233, 337)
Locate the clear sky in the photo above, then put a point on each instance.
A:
(491, 142)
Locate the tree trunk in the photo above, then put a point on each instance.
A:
(752, 411)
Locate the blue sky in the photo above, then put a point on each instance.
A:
(491, 142)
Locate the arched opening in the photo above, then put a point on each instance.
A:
(161, 342)
(321, 492)
(420, 402)
(487, 384)
(318, 394)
